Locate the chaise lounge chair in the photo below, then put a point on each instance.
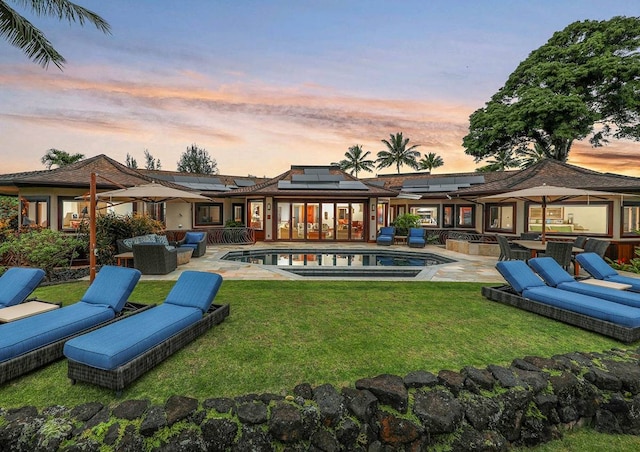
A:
(527, 291)
(17, 283)
(555, 276)
(117, 354)
(38, 340)
(386, 235)
(597, 267)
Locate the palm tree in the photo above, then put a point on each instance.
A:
(431, 161)
(59, 158)
(532, 156)
(356, 161)
(22, 34)
(397, 153)
(502, 160)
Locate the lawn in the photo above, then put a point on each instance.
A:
(281, 333)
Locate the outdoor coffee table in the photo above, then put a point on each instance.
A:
(27, 309)
(184, 255)
(609, 284)
(123, 259)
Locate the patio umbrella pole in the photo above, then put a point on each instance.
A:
(543, 236)
(92, 229)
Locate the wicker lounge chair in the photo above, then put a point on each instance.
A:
(195, 240)
(555, 276)
(17, 283)
(117, 354)
(154, 258)
(527, 291)
(38, 340)
(416, 239)
(386, 235)
(597, 267)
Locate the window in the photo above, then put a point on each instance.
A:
(428, 215)
(500, 217)
(256, 210)
(571, 219)
(238, 212)
(465, 216)
(34, 211)
(72, 213)
(631, 219)
(447, 216)
(208, 214)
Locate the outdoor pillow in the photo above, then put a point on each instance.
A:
(162, 239)
(195, 289)
(552, 273)
(17, 283)
(112, 286)
(193, 237)
(518, 275)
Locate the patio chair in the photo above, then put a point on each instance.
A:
(556, 276)
(386, 235)
(34, 341)
(416, 239)
(532, 289)
(580, 241)
(509, 252)
(154, 258)
(596, 246)
(560, 252)
(117, 354)
(530, 236)
(195, 240)
(17, 283)
(598, 268)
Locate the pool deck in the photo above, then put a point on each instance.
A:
(466, 268)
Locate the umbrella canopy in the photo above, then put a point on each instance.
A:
(152, 192)
(549, 194)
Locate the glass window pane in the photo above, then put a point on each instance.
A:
(257, 214)
(570, 218)
(428, 214)
(283, 210)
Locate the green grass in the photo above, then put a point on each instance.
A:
(281, 333)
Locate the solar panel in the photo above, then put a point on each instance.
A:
(352, 185)
(304, 177)
(244, 182)
(316, 170)
(205, 187)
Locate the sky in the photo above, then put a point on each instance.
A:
(262, 85)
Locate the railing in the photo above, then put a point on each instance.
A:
(471, 236)
(220, 235)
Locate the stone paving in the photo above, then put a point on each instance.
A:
(466, 268)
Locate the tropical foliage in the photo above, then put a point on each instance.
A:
(404, 222)
(196, 160)
(59, 158)
(398, 154)
(356, 161)
(21, 33)
(503, 160)
(583, 83)
(430, 161)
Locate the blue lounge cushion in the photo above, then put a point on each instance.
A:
(519, 275)
(118, 343)
(17, 283)
(596, 266)
(112, 286)
(556, 276)
(195, 289)
(387, 231)
(33, 332)
(193, 238)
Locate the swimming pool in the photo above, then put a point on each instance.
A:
(336, 263)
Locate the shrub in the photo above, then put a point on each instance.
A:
(44, 248)
(404, 222)
(632, 266)
(233, 224)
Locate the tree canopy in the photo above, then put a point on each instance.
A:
(356, 160)
(59, 158)
(397, 153)
(196, 160)
(24, 35)
(430, 161)
(584, 83)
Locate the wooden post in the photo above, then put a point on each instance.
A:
(92, 229)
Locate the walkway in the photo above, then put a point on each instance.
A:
(466, 268)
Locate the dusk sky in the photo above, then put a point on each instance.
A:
(263, 85)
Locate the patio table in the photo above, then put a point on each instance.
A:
(534, 246)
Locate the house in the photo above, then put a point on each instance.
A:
(326, 204)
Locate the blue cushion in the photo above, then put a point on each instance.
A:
(193, 237)
(120, 342)
(550, 271)
(387, 231)
(195, 289)
(384, 239)
(17, 283)
(595, 265)
(415, 241)
(606, 293)
(112, 286)
(30, 333)
(598, 308)
(518, 275)
(416, 232)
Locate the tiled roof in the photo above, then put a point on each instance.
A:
(270, 187)
(396, 181)
(553, 172)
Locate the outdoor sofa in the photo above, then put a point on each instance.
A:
(154, 258)
(527, 291)
(597, 267)
(17, 283)
(117, 354)
(195, 240)
(416, 239)
(126, 245)
(34, 341)
(555, 276)
(386, 235)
